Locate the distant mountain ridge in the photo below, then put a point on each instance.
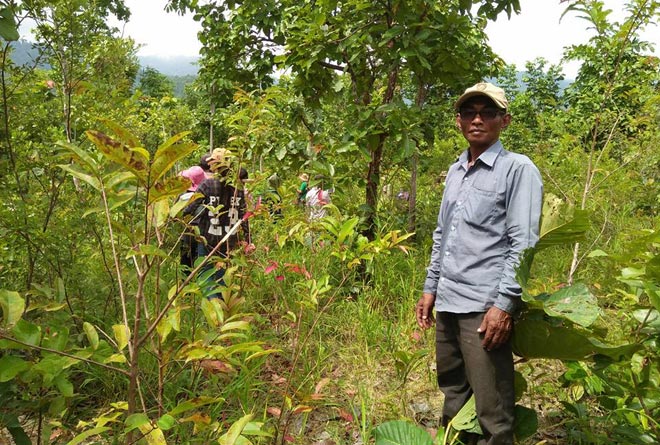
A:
(25, 53)
(171, 65)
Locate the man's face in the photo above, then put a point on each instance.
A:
(481, 122)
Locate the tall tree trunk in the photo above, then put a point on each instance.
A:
(420, 99)
(412, 197)
(373, 176)
(212, 112)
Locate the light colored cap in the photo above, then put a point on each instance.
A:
(304, 177)
(496, 94)
(220, 158)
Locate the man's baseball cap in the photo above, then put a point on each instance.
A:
(220, 159)
(496, 94)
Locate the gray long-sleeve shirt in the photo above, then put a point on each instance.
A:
(488, 216)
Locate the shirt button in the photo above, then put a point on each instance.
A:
(459, 202)
(446, 253)
(453, 227)
(442, 278)
(465, 179)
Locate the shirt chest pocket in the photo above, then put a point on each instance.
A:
(480, 206)
(484, 200)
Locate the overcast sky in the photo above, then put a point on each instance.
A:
(536, 32)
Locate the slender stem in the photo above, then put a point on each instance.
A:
(64, 354)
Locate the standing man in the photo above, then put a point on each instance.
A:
(489, 215)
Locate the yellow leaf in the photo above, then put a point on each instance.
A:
(122, 332)
(153, 435)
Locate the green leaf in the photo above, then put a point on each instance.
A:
(168, 154)
(540, 339)
(11, 366)
(166, 422)
(86, 434)
(596, 253)
(169, 323)
(27, 332)
(178, 207)
(519, 385)
(115, 358)
(64, 386)
(132, 159)
(80, 156)
(8, 27)
(400, 432)
(194, 404)
(653, 292)
(76, 171)
(231, 436)
(560, 223)
(135, 421)
(116, 178)
(10, 421)
(212, 312)
(235, 325)
(124, 135)
(122, 332)
(574, 303)
(92, 335)
(169, 188)
(153, 435)
(147, 250)
(466, 418)
(525, 424)
(13, 306)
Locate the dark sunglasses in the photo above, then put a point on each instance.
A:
(487, 114)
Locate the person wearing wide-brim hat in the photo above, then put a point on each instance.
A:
(304, 186)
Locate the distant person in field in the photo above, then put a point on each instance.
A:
(316, 199)
(219, 209)
(188, 242)
(302, 190)
(488, 216)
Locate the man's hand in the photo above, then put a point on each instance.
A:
(496, 327)
(424, 311)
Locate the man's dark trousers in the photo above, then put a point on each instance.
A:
(464, 367)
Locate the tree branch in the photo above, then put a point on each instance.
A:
(65, 354)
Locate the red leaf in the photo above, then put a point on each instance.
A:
(271, 267)
(280, 278)
(216, 366)
(289, 438)
(247, 215)
(348, 417)
(274, 411)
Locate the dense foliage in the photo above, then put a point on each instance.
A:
(105, 339)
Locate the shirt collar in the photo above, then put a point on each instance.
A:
(487, 157)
